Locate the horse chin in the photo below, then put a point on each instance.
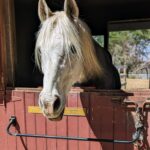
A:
(58, 118)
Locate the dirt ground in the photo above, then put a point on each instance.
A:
(136, 84)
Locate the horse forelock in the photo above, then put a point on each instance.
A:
(74, 33)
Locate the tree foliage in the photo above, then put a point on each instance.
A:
(99, 39)
(129, 48)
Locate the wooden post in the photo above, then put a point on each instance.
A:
(2, 55)
(7, 29)
(11, 41)
(2, 47)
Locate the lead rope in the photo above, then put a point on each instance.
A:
(139, 120)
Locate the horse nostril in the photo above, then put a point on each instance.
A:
(56, 104)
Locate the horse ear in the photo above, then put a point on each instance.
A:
(43, 10)
(71, 8)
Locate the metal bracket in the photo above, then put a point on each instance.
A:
(13, 122)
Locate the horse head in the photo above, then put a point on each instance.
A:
(60, 55)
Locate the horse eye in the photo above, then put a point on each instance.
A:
(73, 50)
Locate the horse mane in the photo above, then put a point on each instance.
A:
(75, 32)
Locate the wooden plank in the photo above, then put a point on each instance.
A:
(101, 120)
(72, 122)
(30, 121)
(95, 122)
(51, 130)
(106, 109)
(20, 115)
(3, 122)
(69, 111)
(61, 127)
(48, 126)
(9, 42)
(84, 127)
(1, 68)
(2, 46)
(119, 125)
(40, 129)
(11, 140)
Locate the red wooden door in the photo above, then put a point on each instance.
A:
(103, 119)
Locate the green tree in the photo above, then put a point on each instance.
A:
(99, 39)
(129, 48)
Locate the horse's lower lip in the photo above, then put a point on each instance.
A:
(57, 118)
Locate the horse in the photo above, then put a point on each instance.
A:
(67, 55)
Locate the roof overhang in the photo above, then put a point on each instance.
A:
(98, 13)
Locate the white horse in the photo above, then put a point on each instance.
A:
(66, 54)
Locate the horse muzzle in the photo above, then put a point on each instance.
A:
(52, 108)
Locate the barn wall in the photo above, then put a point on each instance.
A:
(104, 119)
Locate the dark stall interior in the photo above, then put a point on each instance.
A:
(27, 24)
(95, 13)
